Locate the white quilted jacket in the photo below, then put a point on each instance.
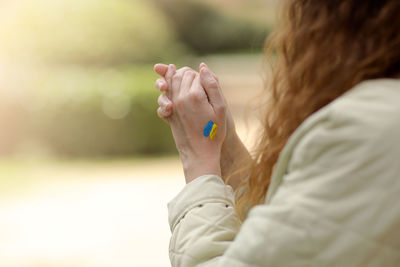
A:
(334, 198)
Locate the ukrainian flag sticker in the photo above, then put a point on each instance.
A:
(210, 130)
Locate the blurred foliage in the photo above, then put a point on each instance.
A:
(208, 30)
(76, 78)
(259, 11)
(81, 112)
(97, 32)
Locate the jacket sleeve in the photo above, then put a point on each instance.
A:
(203, 222)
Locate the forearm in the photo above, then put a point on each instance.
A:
(234, 157)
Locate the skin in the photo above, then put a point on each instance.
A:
(188, 101)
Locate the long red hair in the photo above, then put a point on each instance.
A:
(320, 50)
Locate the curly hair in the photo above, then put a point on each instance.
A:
(321, 49)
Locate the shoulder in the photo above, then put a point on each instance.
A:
(372, 105)
(357, 131)
(361, 124)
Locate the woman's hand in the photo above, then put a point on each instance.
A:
(233, 153)
(193, 109)
(166, 106)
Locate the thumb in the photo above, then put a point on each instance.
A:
(212, 88)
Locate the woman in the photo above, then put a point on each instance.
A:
(323, 186)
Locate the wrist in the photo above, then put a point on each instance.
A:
(229, 144)
(194, 167)
(234, 158)
(229, 152)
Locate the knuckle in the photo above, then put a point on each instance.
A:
(158, 84)
(169, 108)
(221, 108)
(170, 73)
(189, 75)
(159, 97)
(177, 77)
(162, 113)
(159, 113)
(213, 83)
(195, 97)
(164, 102)
(160, 100)
(184, 69)
(189, 72)
(180, 101)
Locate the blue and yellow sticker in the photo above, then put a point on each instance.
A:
(210, 130)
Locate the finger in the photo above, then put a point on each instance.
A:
(170, 73)
(161, 114)
(165, 104)
(204, 65)
(212, 88)
(161, 69)
(197, 91)
(176, 82)
(168, 77)
(184, 69)
(216, 78)
(187, 81)
(161, 84)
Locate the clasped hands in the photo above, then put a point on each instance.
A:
(188, 101)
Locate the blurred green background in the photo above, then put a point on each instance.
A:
(76, 76)
(86, 166)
